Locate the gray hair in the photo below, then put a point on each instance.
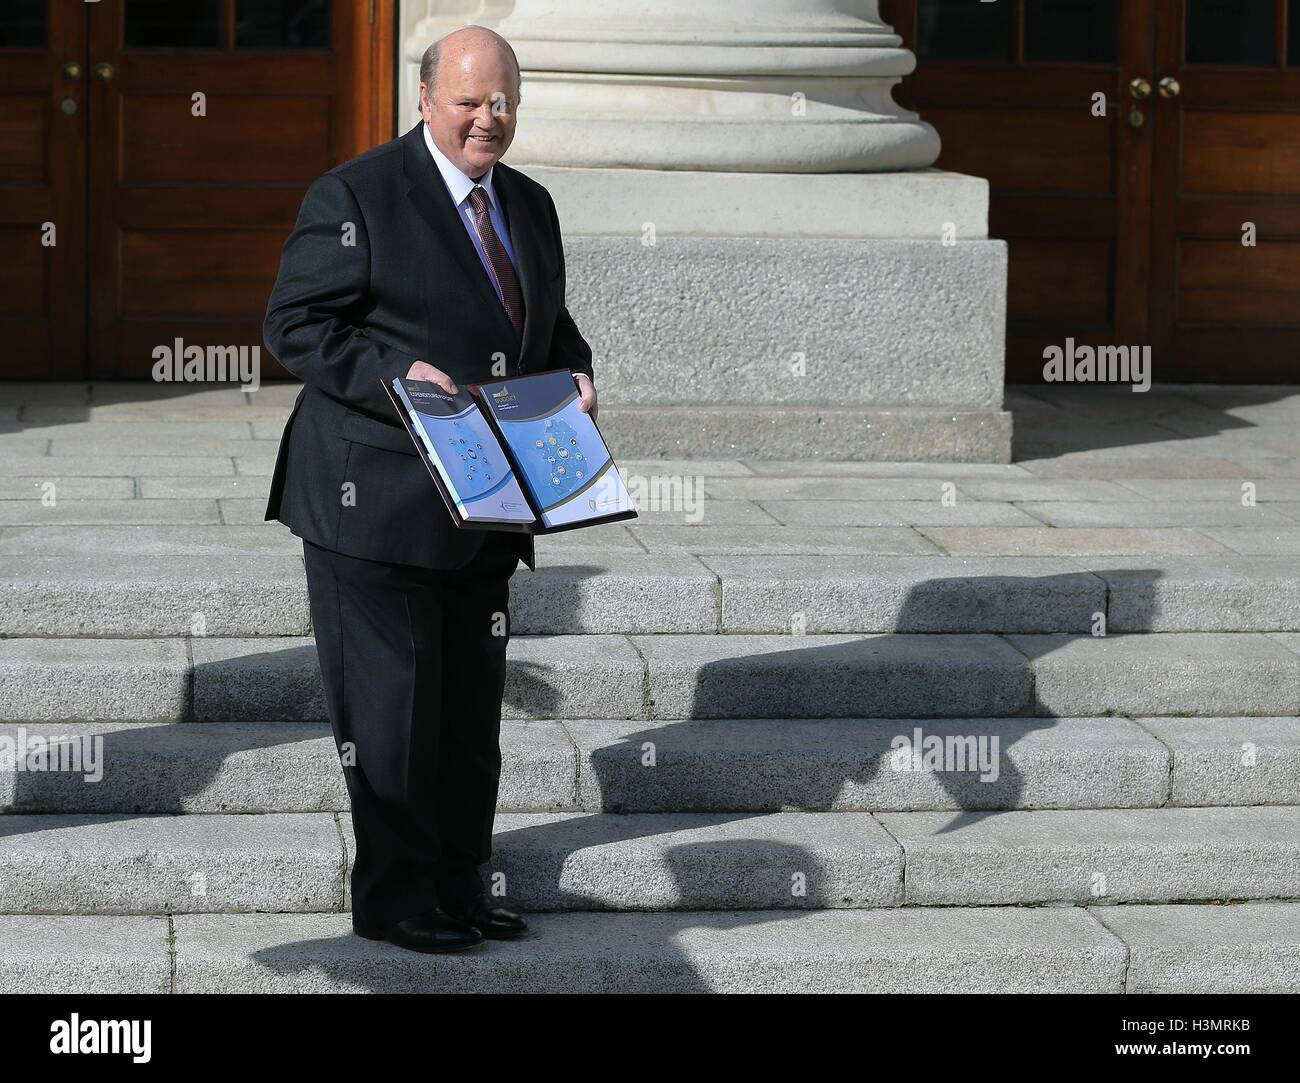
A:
(433, 58)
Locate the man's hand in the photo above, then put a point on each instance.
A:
(588, 390)
(421, 370)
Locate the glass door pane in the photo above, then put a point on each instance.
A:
(282, 24)
(1070, 31)
(1232, 32)
(962, 30)
(22, 24)
(164, 24)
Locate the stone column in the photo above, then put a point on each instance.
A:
(766, 86)
(758, 248)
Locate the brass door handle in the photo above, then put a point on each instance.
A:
(71, 70)
(1170, 87)
(1139, 88)
(104, 71)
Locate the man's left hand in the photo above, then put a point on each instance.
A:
(588, 390)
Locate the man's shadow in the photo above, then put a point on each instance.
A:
(699, 883)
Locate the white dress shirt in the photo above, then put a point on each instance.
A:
(460, 186)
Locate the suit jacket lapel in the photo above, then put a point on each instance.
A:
(433, 202)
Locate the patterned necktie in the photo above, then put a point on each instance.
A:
(501, 265)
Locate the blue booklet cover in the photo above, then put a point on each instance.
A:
(460, 444)
(560, 454)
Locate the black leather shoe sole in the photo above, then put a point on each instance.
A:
(502, 934)
(429, 945)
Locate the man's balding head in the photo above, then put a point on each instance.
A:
(469, 91)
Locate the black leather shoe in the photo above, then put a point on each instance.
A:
(494, 922)
(433, 932)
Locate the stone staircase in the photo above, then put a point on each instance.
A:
(702, 786)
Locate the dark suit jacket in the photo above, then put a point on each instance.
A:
(343, 317)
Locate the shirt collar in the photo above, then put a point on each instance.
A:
(458, 184)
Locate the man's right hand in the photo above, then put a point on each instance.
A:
(424, 371)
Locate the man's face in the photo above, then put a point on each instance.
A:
(471, 108)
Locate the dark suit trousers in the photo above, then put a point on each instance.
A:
(413, 662)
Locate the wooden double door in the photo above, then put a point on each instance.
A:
(153, 155)
(1173, 220)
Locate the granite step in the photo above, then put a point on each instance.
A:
(1243, 948)
(1098, 855)
(154, 581)
(883, 951)
(285, 862)
(719, 765)
(667, 677)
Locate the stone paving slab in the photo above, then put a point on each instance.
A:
(1231, 761)
(784, 951)
(906, 594)
(107, 466)
(1262, 489)
(255, 461)
(50, 953)
(127, 413)
(133, 680)
(1245, 948)
(1150, 514)
(146, 435)
(15, 444)
(168, 767)
(109, 594)
(243, 512)
(885, 676)
(584, 676)
(116, 439)
(21, 392)
(782, 540)
(240, 680)
(151, 541)
(798, 468)
(1129, 442)
(200, 487)
(689, 676)
(1041, 541)
(1202, 594)
(71, 864)
(48, 486)
(748, 765)
(969, 513)
(1084, 465)
(107, 512)
(573, 593)
(706, 511)
(1257, 541)
(578, 544)
(836, 488)
(1046, 489)
(1098, 855)
(712, 468)
(691, 861)
(865, 764)
(1199, 673)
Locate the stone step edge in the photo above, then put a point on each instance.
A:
(1129, 949)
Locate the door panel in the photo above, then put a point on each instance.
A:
(1228, 156)
(169, 217)
(192, 201)
(1009, 86)
(42, 180)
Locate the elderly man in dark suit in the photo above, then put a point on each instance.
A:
(423, 258)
